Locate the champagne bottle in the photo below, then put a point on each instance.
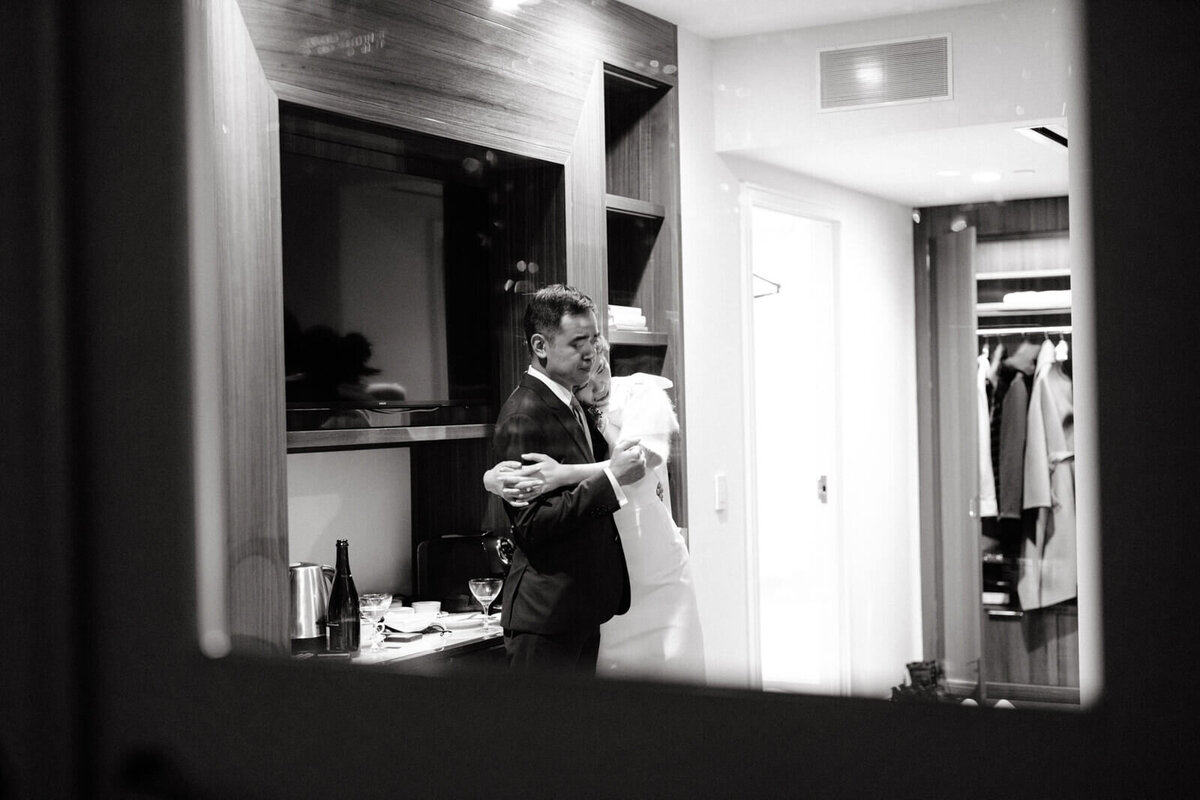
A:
(343, 605)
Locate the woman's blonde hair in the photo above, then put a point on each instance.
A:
(602, 354)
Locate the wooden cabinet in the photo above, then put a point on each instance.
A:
(642, 268)
(598, 107)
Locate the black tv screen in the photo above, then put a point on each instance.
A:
(389, 239)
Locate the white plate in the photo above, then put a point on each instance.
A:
(409, 623)
(470, 619)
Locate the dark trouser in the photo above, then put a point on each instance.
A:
(572, 651)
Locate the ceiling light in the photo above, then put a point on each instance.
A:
(871, 75)
(506, 6)
(1053, 135)
(985, 176)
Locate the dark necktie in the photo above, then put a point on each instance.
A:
(587, 435)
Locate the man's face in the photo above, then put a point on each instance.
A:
(568, 354)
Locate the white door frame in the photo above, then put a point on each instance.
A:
(752, 195)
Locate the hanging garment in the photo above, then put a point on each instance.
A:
(1013, 420)
(987, 479)
(1048, 567)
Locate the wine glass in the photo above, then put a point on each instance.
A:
(485, 591)
(373, 606)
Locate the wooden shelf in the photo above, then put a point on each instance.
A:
(637, 208)
(1017, 275)
(351, 438)
(1001, 310)
(1009, 236)
(643, 338)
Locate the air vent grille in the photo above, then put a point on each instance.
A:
(892, 72)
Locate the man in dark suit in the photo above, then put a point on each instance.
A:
(567, 574)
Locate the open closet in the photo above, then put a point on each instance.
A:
(998, 505)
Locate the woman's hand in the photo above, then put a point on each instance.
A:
(514, 482)
(554, 475)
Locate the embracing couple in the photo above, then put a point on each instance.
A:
(599, 581)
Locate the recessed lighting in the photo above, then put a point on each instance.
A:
(985, 176)
(871, 75)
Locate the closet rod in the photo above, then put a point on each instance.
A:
(1027, 329)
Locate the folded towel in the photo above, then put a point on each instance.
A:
(618, 312)
(631, 323)
(1055, 298)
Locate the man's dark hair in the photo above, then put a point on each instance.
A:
(548, 306)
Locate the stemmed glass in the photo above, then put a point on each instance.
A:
(373, 606)
(485, 591)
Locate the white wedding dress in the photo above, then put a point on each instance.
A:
(659, 638)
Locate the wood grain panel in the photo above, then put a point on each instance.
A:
(627, 37)
(244, 133)
(1040, 648)
(513, 81)
(423, 66)
(1015, 218)
(586, 244)
(448, 479)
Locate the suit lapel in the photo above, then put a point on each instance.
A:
(560, 412)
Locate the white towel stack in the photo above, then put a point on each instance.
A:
(1055, 298)
(626, 318)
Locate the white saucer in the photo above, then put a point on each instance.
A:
(469, 619)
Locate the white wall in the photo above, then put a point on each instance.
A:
(714, 368)
(363, 496)
(875, 307)
(1008, 67)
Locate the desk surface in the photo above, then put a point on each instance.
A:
(458, 639)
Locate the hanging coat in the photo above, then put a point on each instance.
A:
(987, 479)
(1048, 567)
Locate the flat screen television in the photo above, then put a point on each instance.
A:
(392, 241)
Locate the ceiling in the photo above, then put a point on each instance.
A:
(910, 168)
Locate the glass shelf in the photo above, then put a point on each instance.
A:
(629, 205)
(350, 438)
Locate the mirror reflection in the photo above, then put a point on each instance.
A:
(839, 276)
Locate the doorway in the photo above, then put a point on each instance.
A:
(797, 606)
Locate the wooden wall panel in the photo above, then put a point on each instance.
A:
(1040, 648)
(244, 134)
(513, 81)
(585, 199)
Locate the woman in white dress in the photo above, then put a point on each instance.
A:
(659, 638)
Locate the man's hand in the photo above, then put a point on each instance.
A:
(628, 463)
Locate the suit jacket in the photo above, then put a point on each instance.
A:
(568, 569)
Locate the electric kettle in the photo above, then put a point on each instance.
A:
(310, 584)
